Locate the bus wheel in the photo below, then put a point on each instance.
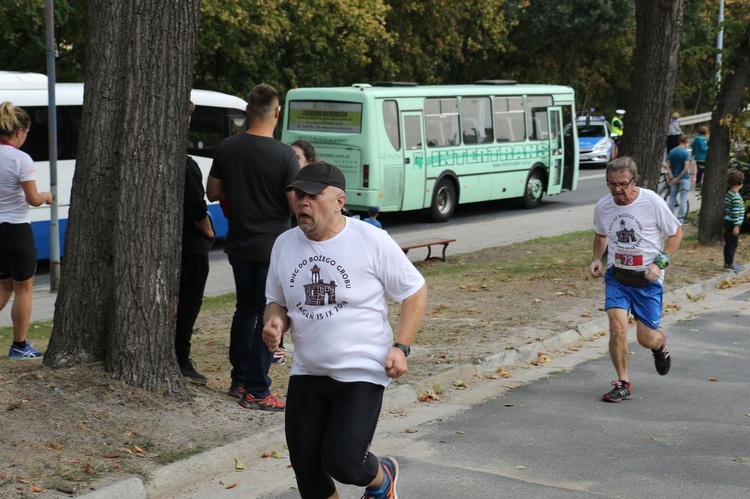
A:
(534, 190)
(443, 201)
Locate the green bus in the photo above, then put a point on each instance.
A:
(403, 146)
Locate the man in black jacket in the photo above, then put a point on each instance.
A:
(197, 239)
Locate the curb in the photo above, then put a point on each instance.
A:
(215, 462)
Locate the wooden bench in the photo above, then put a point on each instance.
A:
(428, 244)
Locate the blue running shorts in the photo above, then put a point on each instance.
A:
(644, 303)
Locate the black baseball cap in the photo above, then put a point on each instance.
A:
(315, 177)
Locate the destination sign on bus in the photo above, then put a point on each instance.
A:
(317, 116)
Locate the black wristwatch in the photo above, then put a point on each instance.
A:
(403, 348)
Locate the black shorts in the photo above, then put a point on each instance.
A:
(17, 252)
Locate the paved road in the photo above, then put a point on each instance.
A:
(546, 433)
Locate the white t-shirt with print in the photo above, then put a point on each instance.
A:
(15, 167)
(336, 292)
(636, 231)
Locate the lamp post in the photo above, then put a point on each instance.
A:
(54, 228)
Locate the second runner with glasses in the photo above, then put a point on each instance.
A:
(630, 224)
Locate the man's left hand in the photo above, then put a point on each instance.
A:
(395, 363)
(653, 273)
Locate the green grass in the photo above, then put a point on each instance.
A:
(39, 332)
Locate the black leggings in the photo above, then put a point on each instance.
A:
(329, 428)
(730, 243)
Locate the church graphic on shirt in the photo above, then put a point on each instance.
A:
(625, 235)
(319, 293)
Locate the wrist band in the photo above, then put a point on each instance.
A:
(662, 260)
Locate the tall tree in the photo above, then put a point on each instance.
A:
(120, 273)
(586, 44)
(733, 98)
(658, 24)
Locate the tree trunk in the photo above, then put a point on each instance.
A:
(658, 24)
(728, 108)
(122, 254)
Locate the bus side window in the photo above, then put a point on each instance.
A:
(536, 108)
(37, 142)
(441, 122)
(209, 126)
(390, 117)
(476, 120)
(509, 119)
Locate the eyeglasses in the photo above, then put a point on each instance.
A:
(621, 185)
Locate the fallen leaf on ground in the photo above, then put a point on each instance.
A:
(712, 379)
(239, 465)
(543, 358)
(54, 444)
(231, 485)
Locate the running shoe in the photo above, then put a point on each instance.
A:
(236, 391)
(279, 356)
(188, 370)
(734, 267)
(622, 390)
(390, 469)
(662, 360)
(268, 403)
(24, 353)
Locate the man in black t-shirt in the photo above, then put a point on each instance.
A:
(251, 170)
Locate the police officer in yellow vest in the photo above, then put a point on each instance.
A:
(618, 127)
(617, 124)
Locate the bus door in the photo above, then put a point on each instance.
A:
(556, 149)
(415, 164)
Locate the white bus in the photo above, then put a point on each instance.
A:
(216, 117)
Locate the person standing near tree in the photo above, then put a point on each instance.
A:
(679, 166)
(197, 240)
(674, 131)
(699, 148)
(251, 170)
(618, 128)
(629, 225)
(17, 248)
(329, 281)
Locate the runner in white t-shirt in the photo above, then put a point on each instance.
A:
(329, 281)
(631, 223)
(17, 249)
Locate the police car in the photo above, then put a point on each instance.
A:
(595, 144)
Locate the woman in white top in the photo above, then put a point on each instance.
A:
(17, 249)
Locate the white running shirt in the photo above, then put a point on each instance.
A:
(335, 292)
(636, 231)
(15, 167)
